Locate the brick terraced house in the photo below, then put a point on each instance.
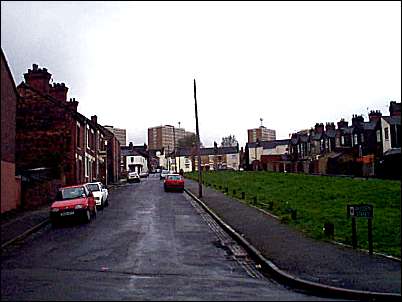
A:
(56, 145)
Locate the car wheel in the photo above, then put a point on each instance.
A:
(87, 216)
(55, 223)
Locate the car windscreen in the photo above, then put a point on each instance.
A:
(93, 187)
(174, 177)
(69, 193)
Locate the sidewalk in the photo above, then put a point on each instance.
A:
(302, 257)
(16, 225)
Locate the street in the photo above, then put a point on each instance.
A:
(147, 245)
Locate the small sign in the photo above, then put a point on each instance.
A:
(360, 210)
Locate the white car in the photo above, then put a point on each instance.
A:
(133, 177)
(100, 193)
(164, 173)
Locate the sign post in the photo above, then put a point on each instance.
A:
(365, 211)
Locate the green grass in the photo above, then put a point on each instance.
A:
(321, 199)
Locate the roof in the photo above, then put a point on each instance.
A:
(184, 151)
(370, 125)
(270, 144)
(132, 152)
(330, 133)
(317, 136)
(219, 150)
(348, 130)
(392, 120)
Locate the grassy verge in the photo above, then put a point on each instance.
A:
(307, 202)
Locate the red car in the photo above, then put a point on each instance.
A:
(73, 201)
(173, 182)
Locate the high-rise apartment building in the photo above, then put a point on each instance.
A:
(262, 134)
(165, 137)
(119, 133)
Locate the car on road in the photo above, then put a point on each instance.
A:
(144, 174)
(164, 173)
(100, 193)
(133, 177)
(73, 201)
(173, 182)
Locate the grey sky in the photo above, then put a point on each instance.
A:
(291, 63)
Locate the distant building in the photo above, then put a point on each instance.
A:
(262, 134)
(165, 137)
(119, 133)
(135, 158)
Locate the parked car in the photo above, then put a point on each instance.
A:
(73, 201)
(133, 177)
(144, 174)
(100, 193)
(164, 173)
(173, 182)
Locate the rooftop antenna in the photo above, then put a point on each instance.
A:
(261, 121)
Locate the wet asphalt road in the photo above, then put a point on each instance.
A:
(147, 245)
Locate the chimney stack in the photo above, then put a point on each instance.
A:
(94, 119)
(319, 127)
(342, 124)
(329, 126)
(374, 115)
(73, 104)
(394, 109)
(58, 91)
(357, 119)
(38, 79)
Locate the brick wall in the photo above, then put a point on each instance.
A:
(10, 186)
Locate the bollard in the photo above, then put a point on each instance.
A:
(294, 214)
(243, 195)
(255, 199)
(329, 229)
(270, 205)
(226, 189)
(234, 192)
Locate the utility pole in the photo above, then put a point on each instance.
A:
(198, 145)
(174, 148)
(179, 152)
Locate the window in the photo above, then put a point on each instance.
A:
(86, 166)
(132, 159)
(78, 136)
(355, 139)
(378, 136)
(342, 140)
(386, 134)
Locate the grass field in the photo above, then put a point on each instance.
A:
(315, 200)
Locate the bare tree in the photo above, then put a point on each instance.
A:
(229, 141)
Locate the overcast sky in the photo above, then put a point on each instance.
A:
(133, 63)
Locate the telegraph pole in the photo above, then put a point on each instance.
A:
(198, 145)
(179, 151)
